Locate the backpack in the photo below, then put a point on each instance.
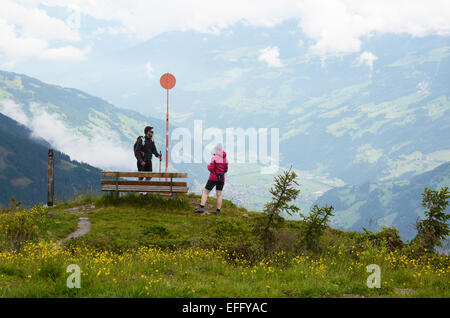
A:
(139, 141)
(220, 176)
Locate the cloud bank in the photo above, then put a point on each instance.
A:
(336, 27)
(27, 31)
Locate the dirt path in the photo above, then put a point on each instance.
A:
(84, 225)
(208, 207)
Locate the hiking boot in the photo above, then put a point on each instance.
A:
(216, 212)
(199, 209)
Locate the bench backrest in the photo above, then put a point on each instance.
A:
(113, 182)
(143, 174)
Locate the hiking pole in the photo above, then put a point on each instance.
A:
(160, 159)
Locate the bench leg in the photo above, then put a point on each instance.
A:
(174, 195)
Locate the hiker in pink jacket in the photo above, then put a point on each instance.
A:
(217, 168)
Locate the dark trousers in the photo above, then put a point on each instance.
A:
(146, 167)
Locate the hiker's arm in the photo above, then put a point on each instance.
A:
(155, 152)
(226, 167)
(212, 166)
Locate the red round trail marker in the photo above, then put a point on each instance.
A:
(167, 81)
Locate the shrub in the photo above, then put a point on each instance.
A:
(315, 223)
(156, 229)
(433, 229)
(387, 236)
(20, 225)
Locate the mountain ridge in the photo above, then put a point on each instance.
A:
(23, 169)
(394, 203)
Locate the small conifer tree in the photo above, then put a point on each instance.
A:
(315, 223)
(283, 192)
(434, 228)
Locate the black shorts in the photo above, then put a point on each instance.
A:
(147, 167)
(211, 184)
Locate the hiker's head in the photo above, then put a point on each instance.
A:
(218, 147)
(148, 131)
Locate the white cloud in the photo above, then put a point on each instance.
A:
(12, 110)
(336, 27)
(366, 58)
(65, 53)
(270, 55)
(31, 21)
(101, 149)
(423, 87)
(149, 70)
(27, 31)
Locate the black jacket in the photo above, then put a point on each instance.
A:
(144, 148)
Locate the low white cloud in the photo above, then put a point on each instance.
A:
(15, 111)
(423, 87)
(149, 70)
(65, 53)
(366, 58)
(231, 75)
(102, 149)
(270, 55)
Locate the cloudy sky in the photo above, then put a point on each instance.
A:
(72, 30)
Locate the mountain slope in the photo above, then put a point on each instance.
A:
(23, 169)
(83, 126)
(358, 121)
(340, 117)
(94, 131)
(391, 203)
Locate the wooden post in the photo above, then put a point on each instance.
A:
(51, 178)
(117, 185)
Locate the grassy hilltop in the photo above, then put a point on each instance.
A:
(158, 247)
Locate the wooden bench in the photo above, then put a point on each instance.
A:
(114, 184)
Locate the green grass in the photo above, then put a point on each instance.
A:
(63, 224)
(131, 221)
(158, 247)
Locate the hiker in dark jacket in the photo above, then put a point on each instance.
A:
(217, 168)
(144, 149)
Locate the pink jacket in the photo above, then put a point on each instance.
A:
(219, 164)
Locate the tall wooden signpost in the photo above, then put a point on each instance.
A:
(51, 178)
(167, 81)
